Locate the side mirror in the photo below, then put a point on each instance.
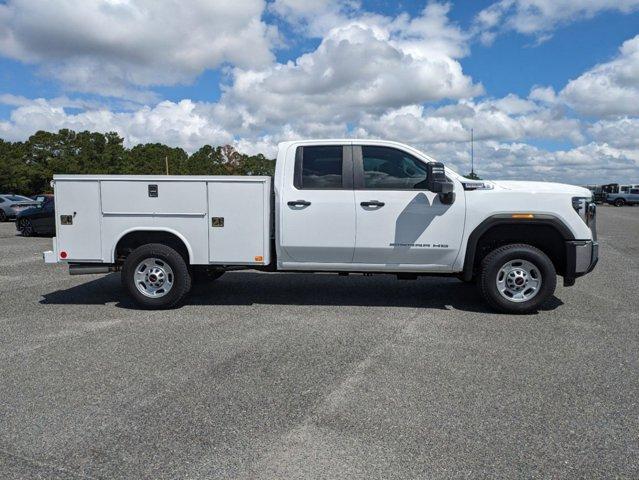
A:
(438, 183)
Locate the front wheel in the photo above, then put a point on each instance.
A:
(156, 276)
(3, 216)
(517, 278)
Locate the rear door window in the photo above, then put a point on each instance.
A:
(320, 167)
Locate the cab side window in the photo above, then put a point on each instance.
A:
(387, 168)
(319, 167)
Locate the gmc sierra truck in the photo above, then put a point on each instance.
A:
(343, 206)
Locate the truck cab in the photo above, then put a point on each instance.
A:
(344, 206)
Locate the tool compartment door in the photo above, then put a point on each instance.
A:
(239, 218)
(77, 218)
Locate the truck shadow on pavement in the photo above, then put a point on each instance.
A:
(247, 288)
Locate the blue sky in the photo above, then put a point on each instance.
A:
(550, 87)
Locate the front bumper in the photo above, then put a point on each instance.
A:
(581, 258)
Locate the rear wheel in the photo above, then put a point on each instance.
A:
(3, 216)
(26, 227)
(156, 276)
(517, 278)
(620, 202)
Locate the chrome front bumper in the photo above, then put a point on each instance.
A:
(581, 258)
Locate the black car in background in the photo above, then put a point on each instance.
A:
(39, 220)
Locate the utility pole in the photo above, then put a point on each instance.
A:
(166, 163)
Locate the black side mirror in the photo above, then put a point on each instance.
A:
(438, 183)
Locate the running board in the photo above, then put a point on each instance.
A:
(91, 268)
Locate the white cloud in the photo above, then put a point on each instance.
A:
(366, 65)
(186, 124)
(510, 118)
(584, 164)
(120, 47)
(621, 133)
(543, 94)
(611, 88)
(442, 133)
(315, 18)
(541, 17)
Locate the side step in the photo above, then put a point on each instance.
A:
(91, 268)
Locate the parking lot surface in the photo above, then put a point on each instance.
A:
(318, 376)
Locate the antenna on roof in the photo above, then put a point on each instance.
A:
(472, 153)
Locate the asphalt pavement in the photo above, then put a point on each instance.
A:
(318, 376)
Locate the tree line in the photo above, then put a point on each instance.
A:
(28, 167)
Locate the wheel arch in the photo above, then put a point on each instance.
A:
(518, 231)
(137, 236)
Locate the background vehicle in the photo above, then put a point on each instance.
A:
(344, 206)
(598, 193)
(38, 220)
(628, 188)
(11, 204)
(42, 197)
(621, 199)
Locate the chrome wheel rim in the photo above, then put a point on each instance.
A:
(153, 277)
(518, 280)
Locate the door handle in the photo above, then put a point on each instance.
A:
(372, 203)
(298, 203)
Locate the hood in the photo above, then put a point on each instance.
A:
(543, 187)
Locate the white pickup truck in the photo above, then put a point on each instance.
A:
(344, 206)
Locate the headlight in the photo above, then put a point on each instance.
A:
(585, 207)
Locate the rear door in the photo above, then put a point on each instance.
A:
(399, 222)
(317, 213)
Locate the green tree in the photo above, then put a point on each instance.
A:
(28, 167)
(151, 159)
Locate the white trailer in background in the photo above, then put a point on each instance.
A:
(346, 206)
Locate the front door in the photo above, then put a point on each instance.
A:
(317, 212)
(399, 222)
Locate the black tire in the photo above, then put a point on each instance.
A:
(3, 216)
(620, 202)
(495, 260)
(26, 227)
(203, 274)
(181, 276)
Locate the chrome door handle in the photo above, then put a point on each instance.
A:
(372, 203)
(298, 203)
